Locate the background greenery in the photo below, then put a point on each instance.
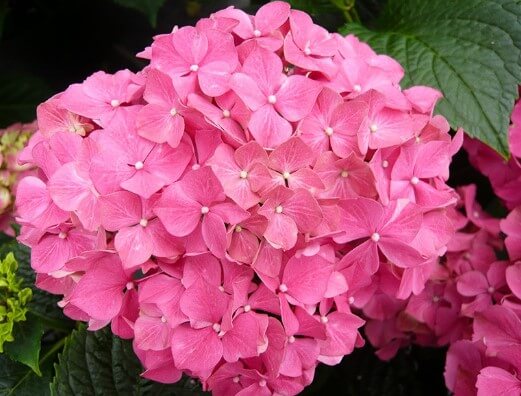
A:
(470, 49)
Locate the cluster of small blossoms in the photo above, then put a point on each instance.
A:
(12, 140)
(233, 205)
(472, 301)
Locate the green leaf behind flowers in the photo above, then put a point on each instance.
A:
(468, 49)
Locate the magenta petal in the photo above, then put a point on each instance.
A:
(242, 340)
(179, 214)
(268, 128)
(497, 381)
(399, 253)
(296, 97)
(151, 333)
(281, 232)
(99, 293)
(307, 278)
(190, 345)
(214, 234)
(120, 209)
(513, 277)
(134, 245)
(204, 302)
(247, 89)
(472, 283)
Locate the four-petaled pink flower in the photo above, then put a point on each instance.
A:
(196, 199)
(275, 99)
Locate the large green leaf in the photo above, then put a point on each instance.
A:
(27, 342)
(469, 49)
(16, 379)
(98, 363)
(148, 7)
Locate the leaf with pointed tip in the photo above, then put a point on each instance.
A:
(469, 49)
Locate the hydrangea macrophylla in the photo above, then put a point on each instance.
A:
(472, 300)
(242, 200)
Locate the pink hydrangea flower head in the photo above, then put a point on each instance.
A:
(243, 205)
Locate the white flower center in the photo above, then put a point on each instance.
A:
(115, 103)
(143, 222)
(139, 165)
(194, 68)
(344, 173)
(262, 382)
(243, 174)
(238, 228)
(435, 299)
(173, 111)
(415, 180)
(129, 285)
(373, 128)
(163, 319)
(272, 99)
(291, 339)
(195, 166)
(357, 88)
(375, 237)
(491, 289)
(257, 33)
(283, 288)
(324, 319)
(226, 113)
(328, 131)
(351, 300)
(236, 379)
(205, 209)
(216, 327)
(247, 308)
(221, 288)
(307, 51)
(278, 209)
(286, 175)
(385, 164)
(62, 235)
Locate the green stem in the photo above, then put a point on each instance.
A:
(55, 348)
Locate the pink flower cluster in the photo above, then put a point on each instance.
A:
(12, 140)
(229, 205)
(472, 300)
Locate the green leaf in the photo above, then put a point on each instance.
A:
(27, 342)
(19, 96)
(99, 363)
(469, 49)
(148, 7)
(16, 379)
